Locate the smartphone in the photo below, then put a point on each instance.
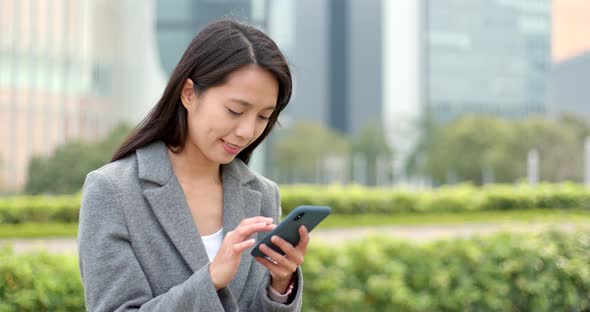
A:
(288, 229)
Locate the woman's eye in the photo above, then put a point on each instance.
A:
(264, 117)
(233, 112)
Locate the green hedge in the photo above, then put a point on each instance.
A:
(507, 272)
(350, 200)
(548, 272)
(460, 198)
(39, 209)
(39, 282)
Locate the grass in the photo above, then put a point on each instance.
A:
(38, 230)
(533, 215)
(44, 230)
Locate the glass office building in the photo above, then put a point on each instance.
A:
(486, 57)
(52, 86)
(444, 59)
(178, 21)
(335, 47)
(70, 70)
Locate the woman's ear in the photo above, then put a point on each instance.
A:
(187, 94)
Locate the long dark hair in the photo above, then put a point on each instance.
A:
(217, 50)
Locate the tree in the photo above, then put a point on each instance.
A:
(65, 170)
(372, 145)
(580, 125)
(469, 146)
(559, 145)
(300, 149)
(428, 129)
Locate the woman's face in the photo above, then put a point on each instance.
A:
(227, 118)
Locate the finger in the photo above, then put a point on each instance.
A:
(240, 247)
(276, 271)
(278, 258)
(303, 240)
(245, 231)
(289, 250)
(267, 264)
(264, 262)
(258, 219)
(273, 267)
(271, 253)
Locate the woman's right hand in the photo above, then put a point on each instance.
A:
(225, 265)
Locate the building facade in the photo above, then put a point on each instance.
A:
(487, 57)
(336, 49)
(70, 70)
(51, 89)
(569, 92)
(178, 21)
(444, 59)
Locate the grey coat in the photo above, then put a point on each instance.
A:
(139, 248)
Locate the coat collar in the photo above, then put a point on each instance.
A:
(154, 166)
(170, 207)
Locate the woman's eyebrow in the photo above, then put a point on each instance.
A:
(246, 103)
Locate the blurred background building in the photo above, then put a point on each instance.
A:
(463, 58)
(569, 85)
(178, 21)
(69, 71)
(571, 58)
(486, 57)
(336, 50)
(73, 69)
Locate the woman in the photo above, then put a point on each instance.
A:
(168, 225)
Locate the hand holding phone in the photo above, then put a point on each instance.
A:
(288, 229)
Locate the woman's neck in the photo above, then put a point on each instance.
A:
(190, 165)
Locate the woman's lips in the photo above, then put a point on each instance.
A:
(231, 148)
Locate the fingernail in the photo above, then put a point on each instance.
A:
(274, 238)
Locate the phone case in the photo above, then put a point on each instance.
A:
(288, 229)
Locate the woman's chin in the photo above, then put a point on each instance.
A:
(227, 161)
(223, 159)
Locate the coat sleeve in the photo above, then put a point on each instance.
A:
(113, 278)
(262, 302)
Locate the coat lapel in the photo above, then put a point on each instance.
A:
(239, 202)
(168, 202)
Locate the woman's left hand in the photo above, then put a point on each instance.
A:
(283, 267)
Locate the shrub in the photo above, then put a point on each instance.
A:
(505, 272)
(545, 272)
(39, 282)
(349, 200)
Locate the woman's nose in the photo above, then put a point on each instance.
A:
(245, 129)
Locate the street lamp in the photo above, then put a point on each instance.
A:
(533, 167)
(587, 162)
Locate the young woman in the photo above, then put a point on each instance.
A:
(168, 225)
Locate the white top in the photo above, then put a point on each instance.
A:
(212, 243)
